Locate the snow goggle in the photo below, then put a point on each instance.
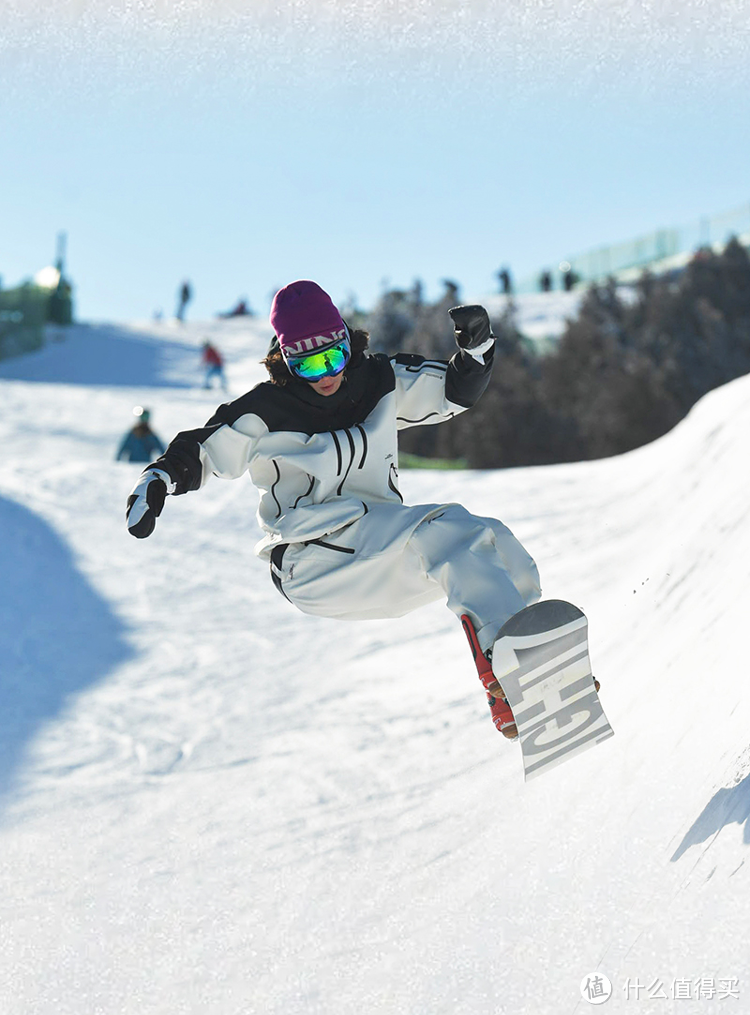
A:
(326, 363)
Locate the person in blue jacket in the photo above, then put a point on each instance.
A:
(140, 443)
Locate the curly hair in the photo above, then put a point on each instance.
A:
(279, 372)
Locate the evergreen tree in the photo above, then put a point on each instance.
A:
(625, 371)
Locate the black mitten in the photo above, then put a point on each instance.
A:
(471, 326)
(146, 501)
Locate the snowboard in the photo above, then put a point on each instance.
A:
(541, 659)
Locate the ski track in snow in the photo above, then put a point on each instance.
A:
(213, 804)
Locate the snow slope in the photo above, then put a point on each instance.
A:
(540, 316)
(214, 805)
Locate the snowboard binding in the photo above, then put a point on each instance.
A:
(500, 710)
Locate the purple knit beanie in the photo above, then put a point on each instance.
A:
(305, 319)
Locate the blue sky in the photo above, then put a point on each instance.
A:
(244, 145)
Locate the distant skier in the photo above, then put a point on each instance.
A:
(140, 444)
(240, 309)
(319, 441)
(213, 364)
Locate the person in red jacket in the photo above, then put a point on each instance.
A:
(213, 365)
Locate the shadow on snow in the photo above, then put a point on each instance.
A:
(730, 805)
(57, 636)
(107, 355)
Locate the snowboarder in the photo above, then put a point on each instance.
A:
(319, 440)
(140, 444)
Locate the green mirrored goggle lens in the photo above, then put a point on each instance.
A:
(326, 363)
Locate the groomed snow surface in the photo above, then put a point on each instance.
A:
(215, 805)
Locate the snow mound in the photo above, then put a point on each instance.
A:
(216, 804)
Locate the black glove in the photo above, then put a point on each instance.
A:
(146, 501)
(471, 326)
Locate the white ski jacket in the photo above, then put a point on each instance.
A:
(319, 461)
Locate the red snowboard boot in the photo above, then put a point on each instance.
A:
(500, 710)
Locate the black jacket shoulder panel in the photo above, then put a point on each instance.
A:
(295, 406)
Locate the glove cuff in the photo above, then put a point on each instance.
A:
(164, 477)
(478, 352)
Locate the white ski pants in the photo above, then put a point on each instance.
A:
(397, 558)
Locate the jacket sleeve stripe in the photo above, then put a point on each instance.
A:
(273, 488)
(403, 419)
(307, 493)
(364, 445)
(338, 452)
(392, 485)
(352, 452)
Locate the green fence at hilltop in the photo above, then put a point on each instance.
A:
(25, 310)
(652, 249)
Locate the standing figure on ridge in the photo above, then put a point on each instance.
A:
(184, 297)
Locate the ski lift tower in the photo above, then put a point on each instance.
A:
(61, 300)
